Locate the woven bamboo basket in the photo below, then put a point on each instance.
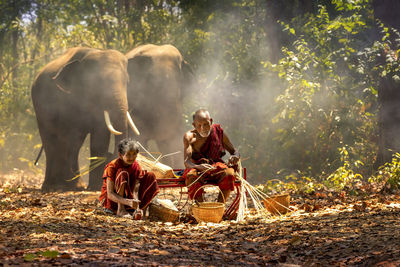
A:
(208, 211)
(163, 213)
(278, 204)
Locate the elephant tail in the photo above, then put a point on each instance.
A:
(38, 156)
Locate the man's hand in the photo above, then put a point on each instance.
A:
(204, 167)
(133, 203)
(233, 160)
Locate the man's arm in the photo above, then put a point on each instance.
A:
(235, 156)
(187, 151)
(113, 196)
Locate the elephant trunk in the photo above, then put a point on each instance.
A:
(109, 125)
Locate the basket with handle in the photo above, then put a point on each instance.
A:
(208, 211)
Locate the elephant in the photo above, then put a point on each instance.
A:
(158, 77)
(82, 92)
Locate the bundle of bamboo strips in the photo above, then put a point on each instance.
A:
(95, 162)
(160, 170)
(256, 196)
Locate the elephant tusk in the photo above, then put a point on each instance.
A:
(132, 124)
(109, 125)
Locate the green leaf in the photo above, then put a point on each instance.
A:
(30, 257)
(50, 254)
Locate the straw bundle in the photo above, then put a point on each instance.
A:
(256, 196)
(160, 170)
(94, 163)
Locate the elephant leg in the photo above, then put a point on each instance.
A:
(99, 142)
(62, 162)
(74, 156)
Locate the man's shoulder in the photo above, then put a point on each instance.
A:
(189, 134)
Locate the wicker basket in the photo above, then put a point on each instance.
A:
(277, 205)
(208, 211)
(162, 213)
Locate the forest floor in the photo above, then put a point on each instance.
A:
(323, 230)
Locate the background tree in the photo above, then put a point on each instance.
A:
(388, 83)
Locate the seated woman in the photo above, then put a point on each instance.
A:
(125, 185)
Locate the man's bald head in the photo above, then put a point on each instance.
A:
(202, 122)
(201, 114)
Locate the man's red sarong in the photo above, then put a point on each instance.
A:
(211, 152)
(120, 174)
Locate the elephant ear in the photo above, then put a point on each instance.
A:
(138, 67)
(188, 78)
(187, 69)
(66, 76)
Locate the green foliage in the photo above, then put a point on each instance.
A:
(294, 183)
(51, 254)
(30, 257)
(380, 61)
(389, 173)
(323, 103)
(344, 176)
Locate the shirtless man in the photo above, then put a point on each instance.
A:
(204, 147)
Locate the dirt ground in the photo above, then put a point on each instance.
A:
(69, 229)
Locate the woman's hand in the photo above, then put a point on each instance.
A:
(138, 214)
(133, 203)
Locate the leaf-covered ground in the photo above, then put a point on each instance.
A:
(325, 230)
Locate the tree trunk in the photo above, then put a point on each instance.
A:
(39, 30)
(279, 10)
(388, 91)
(2, 70)
(14, 36)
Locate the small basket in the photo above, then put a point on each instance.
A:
(162, 213)
(208, 211)
(277, 205)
